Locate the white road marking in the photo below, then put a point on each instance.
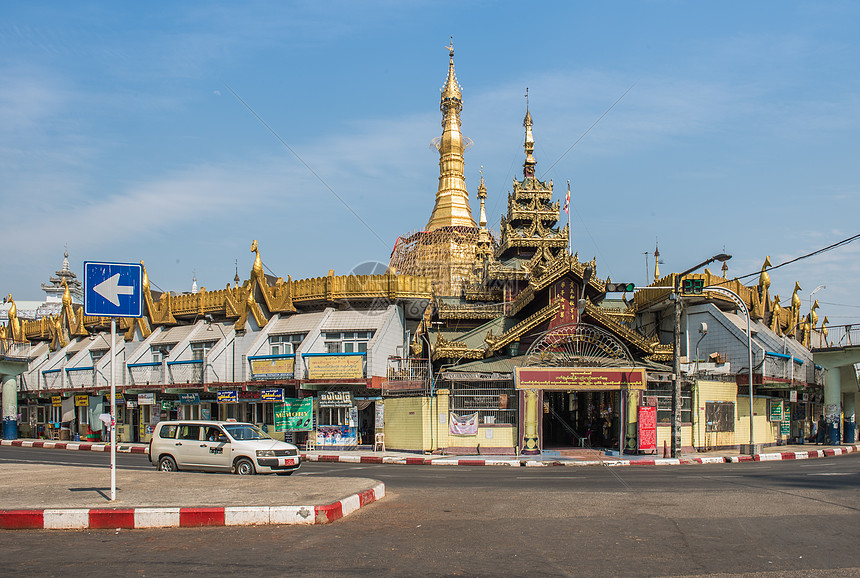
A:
(834, 474)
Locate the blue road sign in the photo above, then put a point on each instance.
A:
(112, 289)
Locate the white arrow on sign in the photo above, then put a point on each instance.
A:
(110, 289)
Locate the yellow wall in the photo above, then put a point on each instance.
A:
(409, 421)
(765, 431)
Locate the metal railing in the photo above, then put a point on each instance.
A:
(14, 350)
(407, 376)
(494, 400)
(185, 371)
(146, 373)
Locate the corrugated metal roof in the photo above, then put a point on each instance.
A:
(491, 365)
(173, 335)
(78, 345)
(355, 320)
(101, 342)
(298, 323)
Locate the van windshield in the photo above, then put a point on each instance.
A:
(245, 431)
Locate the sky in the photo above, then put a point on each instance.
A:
(178, 132)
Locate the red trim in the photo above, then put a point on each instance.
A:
(197, 517)
(21, 519)
(329, 513)
(371, 459)
(416, 461)
(109, 518)
(471, 462)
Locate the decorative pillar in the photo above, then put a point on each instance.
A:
(10, 407)
(849, 425)
(832, 405)
(531, 415)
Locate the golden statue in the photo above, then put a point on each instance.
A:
(795, 308)
(764, 281)
(14, 323)
(813, 316)
(824, 331)
(776, 309)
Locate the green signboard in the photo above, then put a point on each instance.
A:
(775, 411)
(785, 428)
(294, 414)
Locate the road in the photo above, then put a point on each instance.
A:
(787, 518)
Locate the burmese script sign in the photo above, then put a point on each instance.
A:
(271, 367)
(580, 378)
(335, 367)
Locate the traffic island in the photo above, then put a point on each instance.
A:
(63, 498)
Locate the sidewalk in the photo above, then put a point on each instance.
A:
(573, 457)
(79, 498)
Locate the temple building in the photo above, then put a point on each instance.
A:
(471, 342)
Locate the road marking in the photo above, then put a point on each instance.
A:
(834, 474)
(83, 464)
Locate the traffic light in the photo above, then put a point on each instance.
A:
(620, 287)
(692, 286)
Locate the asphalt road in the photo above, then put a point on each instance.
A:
(773, 518)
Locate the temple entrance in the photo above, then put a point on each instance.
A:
(574, 386)
(580, 419)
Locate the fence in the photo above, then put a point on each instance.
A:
(495, 400)
(185, 371)
(146, 373)
(407, 376)
(14, 350)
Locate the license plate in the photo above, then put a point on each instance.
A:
(287, 461)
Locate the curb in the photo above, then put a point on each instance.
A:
(443, 461)
(83, 446)
(528, 463)
(131, 518)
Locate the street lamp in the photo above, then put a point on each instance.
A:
(676, 359)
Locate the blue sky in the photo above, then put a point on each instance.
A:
(121, 138)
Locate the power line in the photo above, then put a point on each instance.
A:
(796, 259)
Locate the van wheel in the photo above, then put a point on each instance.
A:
(244, 467)
(167, 464)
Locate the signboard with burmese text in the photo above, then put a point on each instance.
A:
(272, 367)
(580, 378)
(335, 366)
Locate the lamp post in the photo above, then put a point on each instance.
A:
(676, 359)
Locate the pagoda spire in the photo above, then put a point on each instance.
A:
(452, 198)
(529, 144)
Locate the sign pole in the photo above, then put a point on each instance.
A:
(112, 410)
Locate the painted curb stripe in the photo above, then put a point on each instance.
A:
(107, 518)
(21, 519)
(197, 517)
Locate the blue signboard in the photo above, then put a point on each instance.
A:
(189, 398)
(228, 396)
(272, 395)
(112, 289)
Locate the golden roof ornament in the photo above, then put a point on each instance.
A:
(656, 263)
(482, 196)
(813, 316)
(529, 144)
(764, 281)
(776, 308)
(451, 208)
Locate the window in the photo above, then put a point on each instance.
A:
(189, 432)
(285, 344)
(347, 341)
(201, 349)
(719, 416)
(97, 355)
(662, 394)
(159, 353)
(168, 431)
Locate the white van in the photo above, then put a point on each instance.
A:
(229, 446)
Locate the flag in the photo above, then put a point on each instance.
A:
(464, 425)
(567, 199)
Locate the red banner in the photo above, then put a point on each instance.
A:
(580, 378)
(647, 424)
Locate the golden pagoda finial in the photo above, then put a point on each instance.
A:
(725, 269)
(482, 196)
(656, 263)
(529, 144)
(452, 199)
